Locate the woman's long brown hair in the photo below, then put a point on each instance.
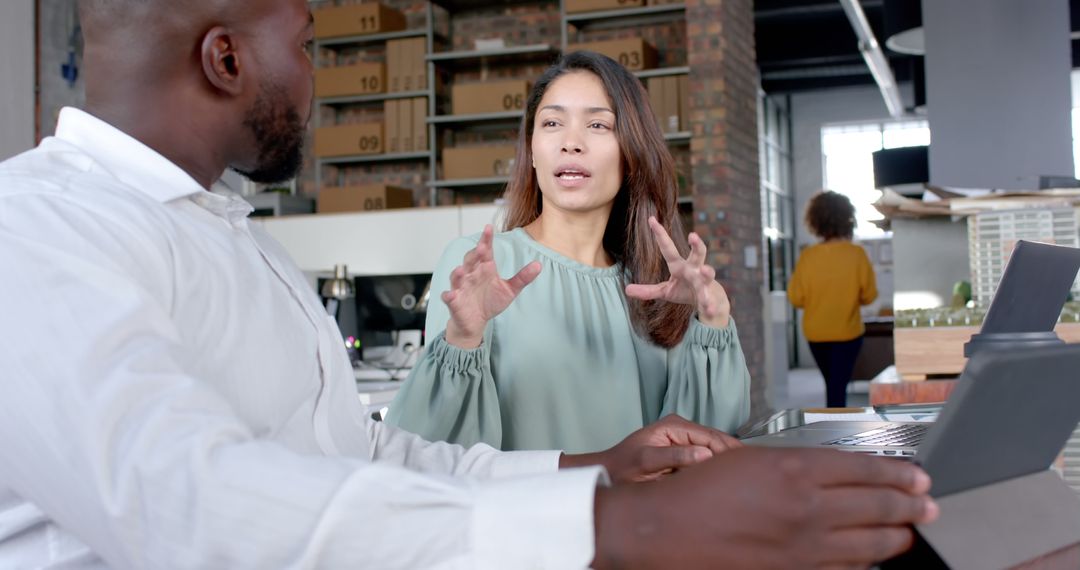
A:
(649, 188)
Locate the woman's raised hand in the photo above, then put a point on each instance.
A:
(692, 282)
(477, 294)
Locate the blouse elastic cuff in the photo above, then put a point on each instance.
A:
(701, 334)
(455, 358)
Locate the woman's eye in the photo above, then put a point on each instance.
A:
(548, 123)
(598, 126)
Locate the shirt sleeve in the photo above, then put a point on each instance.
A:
(708, 381)
(116, 439)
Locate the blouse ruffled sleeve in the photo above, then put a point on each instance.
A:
(708, 381)
(450, 394)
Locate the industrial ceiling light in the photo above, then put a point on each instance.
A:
(874, 57)
(902, 26)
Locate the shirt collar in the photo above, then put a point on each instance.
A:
(124, 157)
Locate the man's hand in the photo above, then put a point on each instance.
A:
(656, 450)
(477, 294)
(691, 282)
(766, 508)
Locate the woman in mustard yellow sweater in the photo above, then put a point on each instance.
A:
(832, 280)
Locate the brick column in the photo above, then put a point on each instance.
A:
(724, 158)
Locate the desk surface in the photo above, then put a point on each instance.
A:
(888, 388)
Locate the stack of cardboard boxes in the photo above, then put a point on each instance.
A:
(507, 95)
(668, 97)
(404, 124)
(406, 119)
(357, 20)
(634, 54)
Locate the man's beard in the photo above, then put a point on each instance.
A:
(279, 137)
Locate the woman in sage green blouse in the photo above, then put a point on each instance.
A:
(603, 324)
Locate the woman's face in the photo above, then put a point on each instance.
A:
(574, 146)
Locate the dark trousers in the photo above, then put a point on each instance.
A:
(836, 360)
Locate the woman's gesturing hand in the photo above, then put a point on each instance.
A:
(692, 282)
(477, 294)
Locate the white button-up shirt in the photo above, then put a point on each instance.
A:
(173, 395)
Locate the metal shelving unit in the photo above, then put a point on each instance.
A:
(502, 117)
(470, 182)
(466, 59)
(427, 32)
(472, 59)
(662, 72)
(678, 138)
(387, 157)
(623, 17)
(377, 97)
(348, 41)
(635, 17)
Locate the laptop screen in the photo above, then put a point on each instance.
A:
(1010, 415)
(1033, 288)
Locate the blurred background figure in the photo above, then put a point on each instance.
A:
(832, 279)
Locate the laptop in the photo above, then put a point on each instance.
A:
(1033, 288)
(1010, 415)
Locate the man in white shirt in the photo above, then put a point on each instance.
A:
(173, 394)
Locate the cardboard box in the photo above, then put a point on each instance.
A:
(392, 128)
(363, 198)
(359, 79)
(404, 124)
(575, 6)
(419, 121)
(634, 54)
(489, 97)
(408, 63)
(684, 102)
(347, 140)
(477, 162)
(669, 120)
(356, 20)
(395, 65)
(418, 62)
(656, 98)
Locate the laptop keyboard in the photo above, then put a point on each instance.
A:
(909, 435)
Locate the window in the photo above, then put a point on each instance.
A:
(848, 162)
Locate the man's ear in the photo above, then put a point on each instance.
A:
(221, 60)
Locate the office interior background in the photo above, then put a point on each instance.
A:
(763, 103)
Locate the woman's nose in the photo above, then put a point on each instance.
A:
(572, 147)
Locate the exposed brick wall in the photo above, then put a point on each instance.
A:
(724, 157)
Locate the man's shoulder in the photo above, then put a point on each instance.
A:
(56, 188)
(52, 169)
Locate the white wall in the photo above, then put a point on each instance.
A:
(16, 77)
(377, 243)
(809, 112)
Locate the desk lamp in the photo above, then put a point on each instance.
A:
(337, 289)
